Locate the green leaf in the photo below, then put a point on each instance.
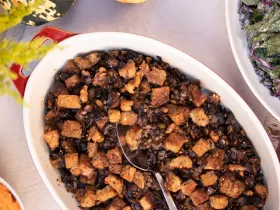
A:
(274, 74)
(251, 2)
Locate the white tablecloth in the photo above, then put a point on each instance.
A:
(195, 27)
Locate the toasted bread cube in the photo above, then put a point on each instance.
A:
(202, 146)
(172, 182)
(128, 173)
(126, 105)
(261, 190)
(101, 122)
(182, 161)
(174, 142)
(82, 63)
(100, 79)
(214, 136)
(128, 118)
(88, 179)
(69, 146)
(147, 201)
(188, 187)
(52, 138)
(215, 161)
(89, 199)
(72, 81)
(197, 97)
(236, 167)
(176, 113)
(58, 88)
(84, 94)
(80, 193)
(99, 104)
(115, 169)
(71, 129)
(86, 166)
(50, 115)
(134, 83)
(230, 186)
(156, 76)
(145, 87)
(144, 67)
(209, 178)
(70, 67)
(94, 58)
(114, 115)
(100, 161)
(139, 179)
(132, 137)
(127, 208)
(76, 171)
(95, 135)
(218, 201)
(114, 156)
(214, 98)
(199, 117)
(57, 162)
(128, 71)
(105, 194)
(69, 101)
(199, 196)
(170, 128)
(248, 207)
(115, 182)
(160, 96)
(71, 160)
(117, 204)
(92, 149)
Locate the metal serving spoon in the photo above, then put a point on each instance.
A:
(139, 159)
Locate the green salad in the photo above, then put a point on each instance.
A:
(261, 19)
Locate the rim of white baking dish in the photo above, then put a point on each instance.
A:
(172, 50)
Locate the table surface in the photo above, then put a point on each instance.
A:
(195, 27)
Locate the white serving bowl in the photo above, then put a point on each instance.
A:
(12, 191)
(43, 75)
(239, 46)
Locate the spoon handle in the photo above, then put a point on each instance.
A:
(166, 193)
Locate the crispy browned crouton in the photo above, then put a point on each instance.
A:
(52, 138)
(174, 142)
(99, 103)
(95, 135)
(230, 186)
(59, 88)
(82, 63)
(69, 101)
(101, 122)
(214, 98)
(71, 129)
(132, 137)
(128, 71)
(100, 161)
(69, 146)
(209, 178)
(236, 167)
(80, 193)
(202, 146)
(170, 128)
(214, 136)
(84, 94)
(70, 67)
(156, 76)
(105, 194)
(50, 115)
(128, 118)
(92, 149)
(261, 190)
(72, 81)
(160, 96)
(144, 67)
(127, 208)
(115, 169)
(116, 183)
(248, 193)
(197, 97)
(176, 113)
(172, 182)
(88, 179)
(147, 201)
(76, 171)
(57, 162)
(117, 204)
(100, 79)
(139, 179)
(126, 105)
(215, 161)
(128, 173)
(86, 166)
(94, 58)
(145, 87)
(114, 115)
(71, 160)
(182, 161)
(199, 117)
(198, 197)
(218, 201)
(89, 199)
(134, 83)
(114, 156)
(248, 207)
(188, 187)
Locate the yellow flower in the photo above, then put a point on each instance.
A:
(132, 1)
